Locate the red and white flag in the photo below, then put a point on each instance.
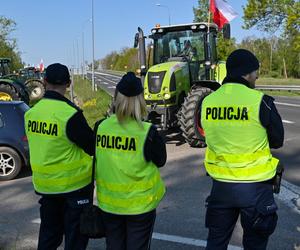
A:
(222, 12)
(42, 65)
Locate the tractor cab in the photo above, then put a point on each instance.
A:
(186, 43)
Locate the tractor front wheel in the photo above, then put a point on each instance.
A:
(35, 89)
(189, 117)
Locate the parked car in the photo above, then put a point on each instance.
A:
(14, 150)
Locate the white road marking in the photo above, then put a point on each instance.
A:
(104, 83)
(186, 241)
(287, 104)
(111, 87)
(106, 79)
(104, 74)
(287, 121)
(172, 238)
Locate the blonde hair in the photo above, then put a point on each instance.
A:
(130, 107)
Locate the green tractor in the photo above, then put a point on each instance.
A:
(184, 70)
(33, 80)
(27, 85)
(10, 88)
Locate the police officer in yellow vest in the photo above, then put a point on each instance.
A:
(241, 125)
(128, 154)
(60, 144)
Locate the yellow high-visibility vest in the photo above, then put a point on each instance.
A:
(58, 165)
(126, 182)
(237, 144)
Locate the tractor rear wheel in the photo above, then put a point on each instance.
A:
(8, 93)
(35, 89)
(189, 117)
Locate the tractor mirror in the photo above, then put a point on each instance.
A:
(226, 31)
(136, 40)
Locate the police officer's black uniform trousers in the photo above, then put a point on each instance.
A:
(129, 232)
(255, 204)
(60, 217)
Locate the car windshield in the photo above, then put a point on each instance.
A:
(179, 44)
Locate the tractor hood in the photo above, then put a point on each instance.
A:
(169, 67)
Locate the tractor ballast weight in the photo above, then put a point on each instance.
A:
(184, 71)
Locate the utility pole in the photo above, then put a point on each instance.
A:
(78, 63)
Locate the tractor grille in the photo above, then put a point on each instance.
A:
(155, 80)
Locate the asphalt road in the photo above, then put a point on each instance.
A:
(180, 216)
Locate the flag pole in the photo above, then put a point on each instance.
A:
(208, 22)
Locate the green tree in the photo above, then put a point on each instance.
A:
(201, 12)
(270, 15)
(8, 46)
(125, 60)
(7, 26)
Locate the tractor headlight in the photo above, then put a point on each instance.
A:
(165, 89)
(167, 96)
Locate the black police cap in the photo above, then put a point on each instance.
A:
(57, 74)
(241, 62)
(130, 85)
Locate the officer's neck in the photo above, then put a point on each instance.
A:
(61, 89)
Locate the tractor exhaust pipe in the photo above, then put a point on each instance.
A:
(139, 40)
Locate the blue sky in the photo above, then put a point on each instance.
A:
(52, 29)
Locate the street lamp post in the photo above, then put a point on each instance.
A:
(165, 6)
(83, 54)
(93, 48)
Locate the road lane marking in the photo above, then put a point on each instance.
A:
(186, 241)
(288, 122)
(287, 104)
(106, 79)
(99, 73)
(104, 83)
(111, 87)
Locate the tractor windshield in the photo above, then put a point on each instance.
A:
(179, 45)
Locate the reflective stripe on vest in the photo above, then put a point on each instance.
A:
(237, 143)
(58, 165)
(126, 183)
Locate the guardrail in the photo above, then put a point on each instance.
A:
(279, 87)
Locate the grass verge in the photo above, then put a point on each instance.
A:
(93, 103)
